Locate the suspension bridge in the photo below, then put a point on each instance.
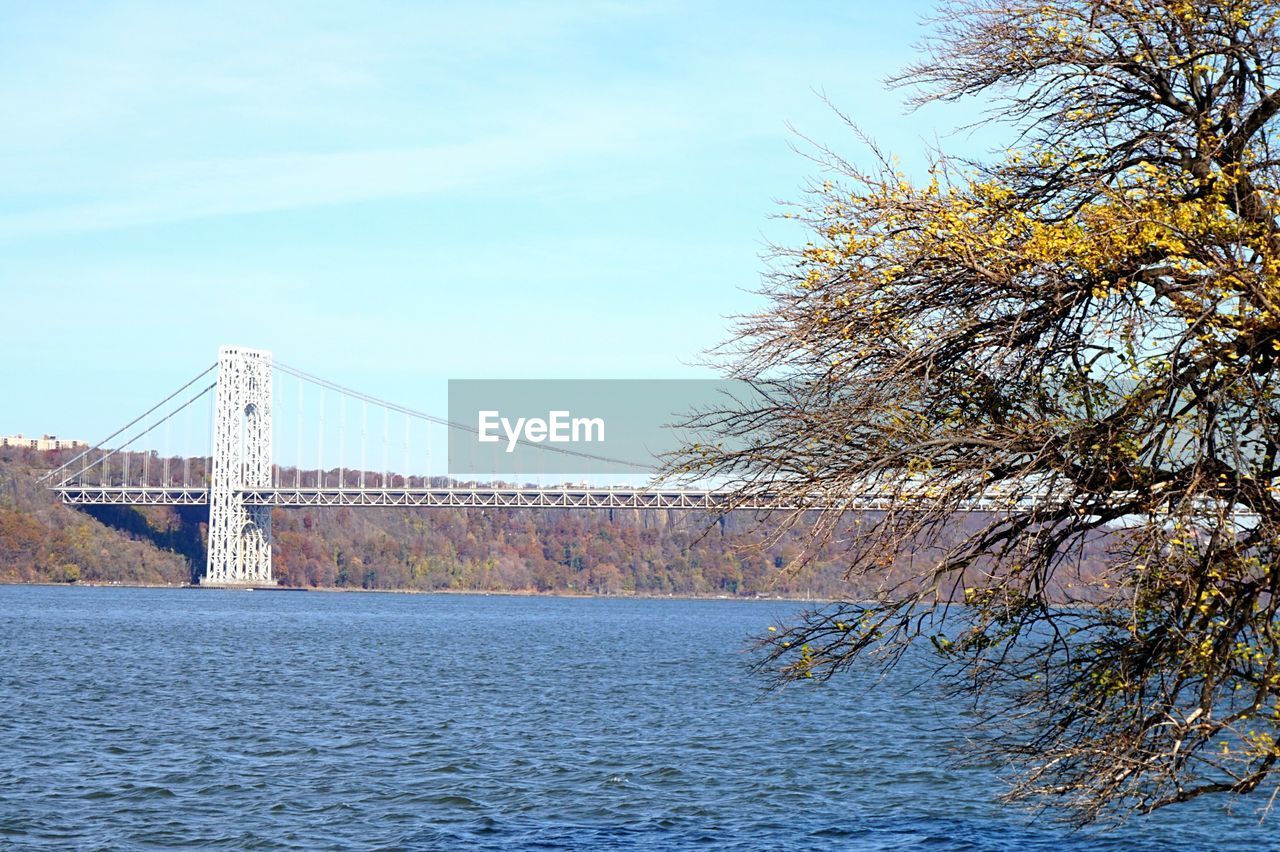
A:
(241, 473)
(243, 478)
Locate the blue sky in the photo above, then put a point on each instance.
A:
(394, 194)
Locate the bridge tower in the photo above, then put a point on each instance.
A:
(240, 534)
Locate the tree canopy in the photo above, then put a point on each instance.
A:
(1082, 331)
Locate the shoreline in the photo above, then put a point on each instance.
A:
(473, 592)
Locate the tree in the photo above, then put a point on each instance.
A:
(1081, 331)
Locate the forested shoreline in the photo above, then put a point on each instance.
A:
(597, 552)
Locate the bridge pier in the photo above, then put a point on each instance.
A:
(240, 534)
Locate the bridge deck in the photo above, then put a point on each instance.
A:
(534, 498)
(481, 497)
(462, 498)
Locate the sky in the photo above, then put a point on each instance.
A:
(394, 194)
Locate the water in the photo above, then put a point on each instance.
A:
(148, 718)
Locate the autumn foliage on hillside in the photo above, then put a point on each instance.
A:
(509, 550)
(498, 550)
(43, 541)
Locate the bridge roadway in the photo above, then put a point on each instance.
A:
(478, 497)
(442, 498)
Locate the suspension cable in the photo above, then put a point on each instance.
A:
(141, 434)
(431, 418)
(130, 424)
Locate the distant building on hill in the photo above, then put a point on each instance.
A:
(48, 442)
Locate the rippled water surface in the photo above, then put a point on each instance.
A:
(152, 717)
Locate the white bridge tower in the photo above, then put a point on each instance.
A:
(240, 534)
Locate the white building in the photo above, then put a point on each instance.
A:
(45, 443)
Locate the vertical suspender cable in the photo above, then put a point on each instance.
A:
(274, 441)
(186, 449)
(297, 470)
(164, 471)
(320, 445)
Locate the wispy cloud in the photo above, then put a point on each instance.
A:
(482, 187)
(177, 191)
(141, 114)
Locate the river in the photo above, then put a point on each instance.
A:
(144, 718)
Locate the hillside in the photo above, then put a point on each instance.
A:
(504, 550)
(43, 541)
(596, 552)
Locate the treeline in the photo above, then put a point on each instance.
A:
(568, 551)
(44, 541)
(601, 552)
(575, 551)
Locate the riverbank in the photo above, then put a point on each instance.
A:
(518, 593)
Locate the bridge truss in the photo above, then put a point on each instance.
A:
(480, 497)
